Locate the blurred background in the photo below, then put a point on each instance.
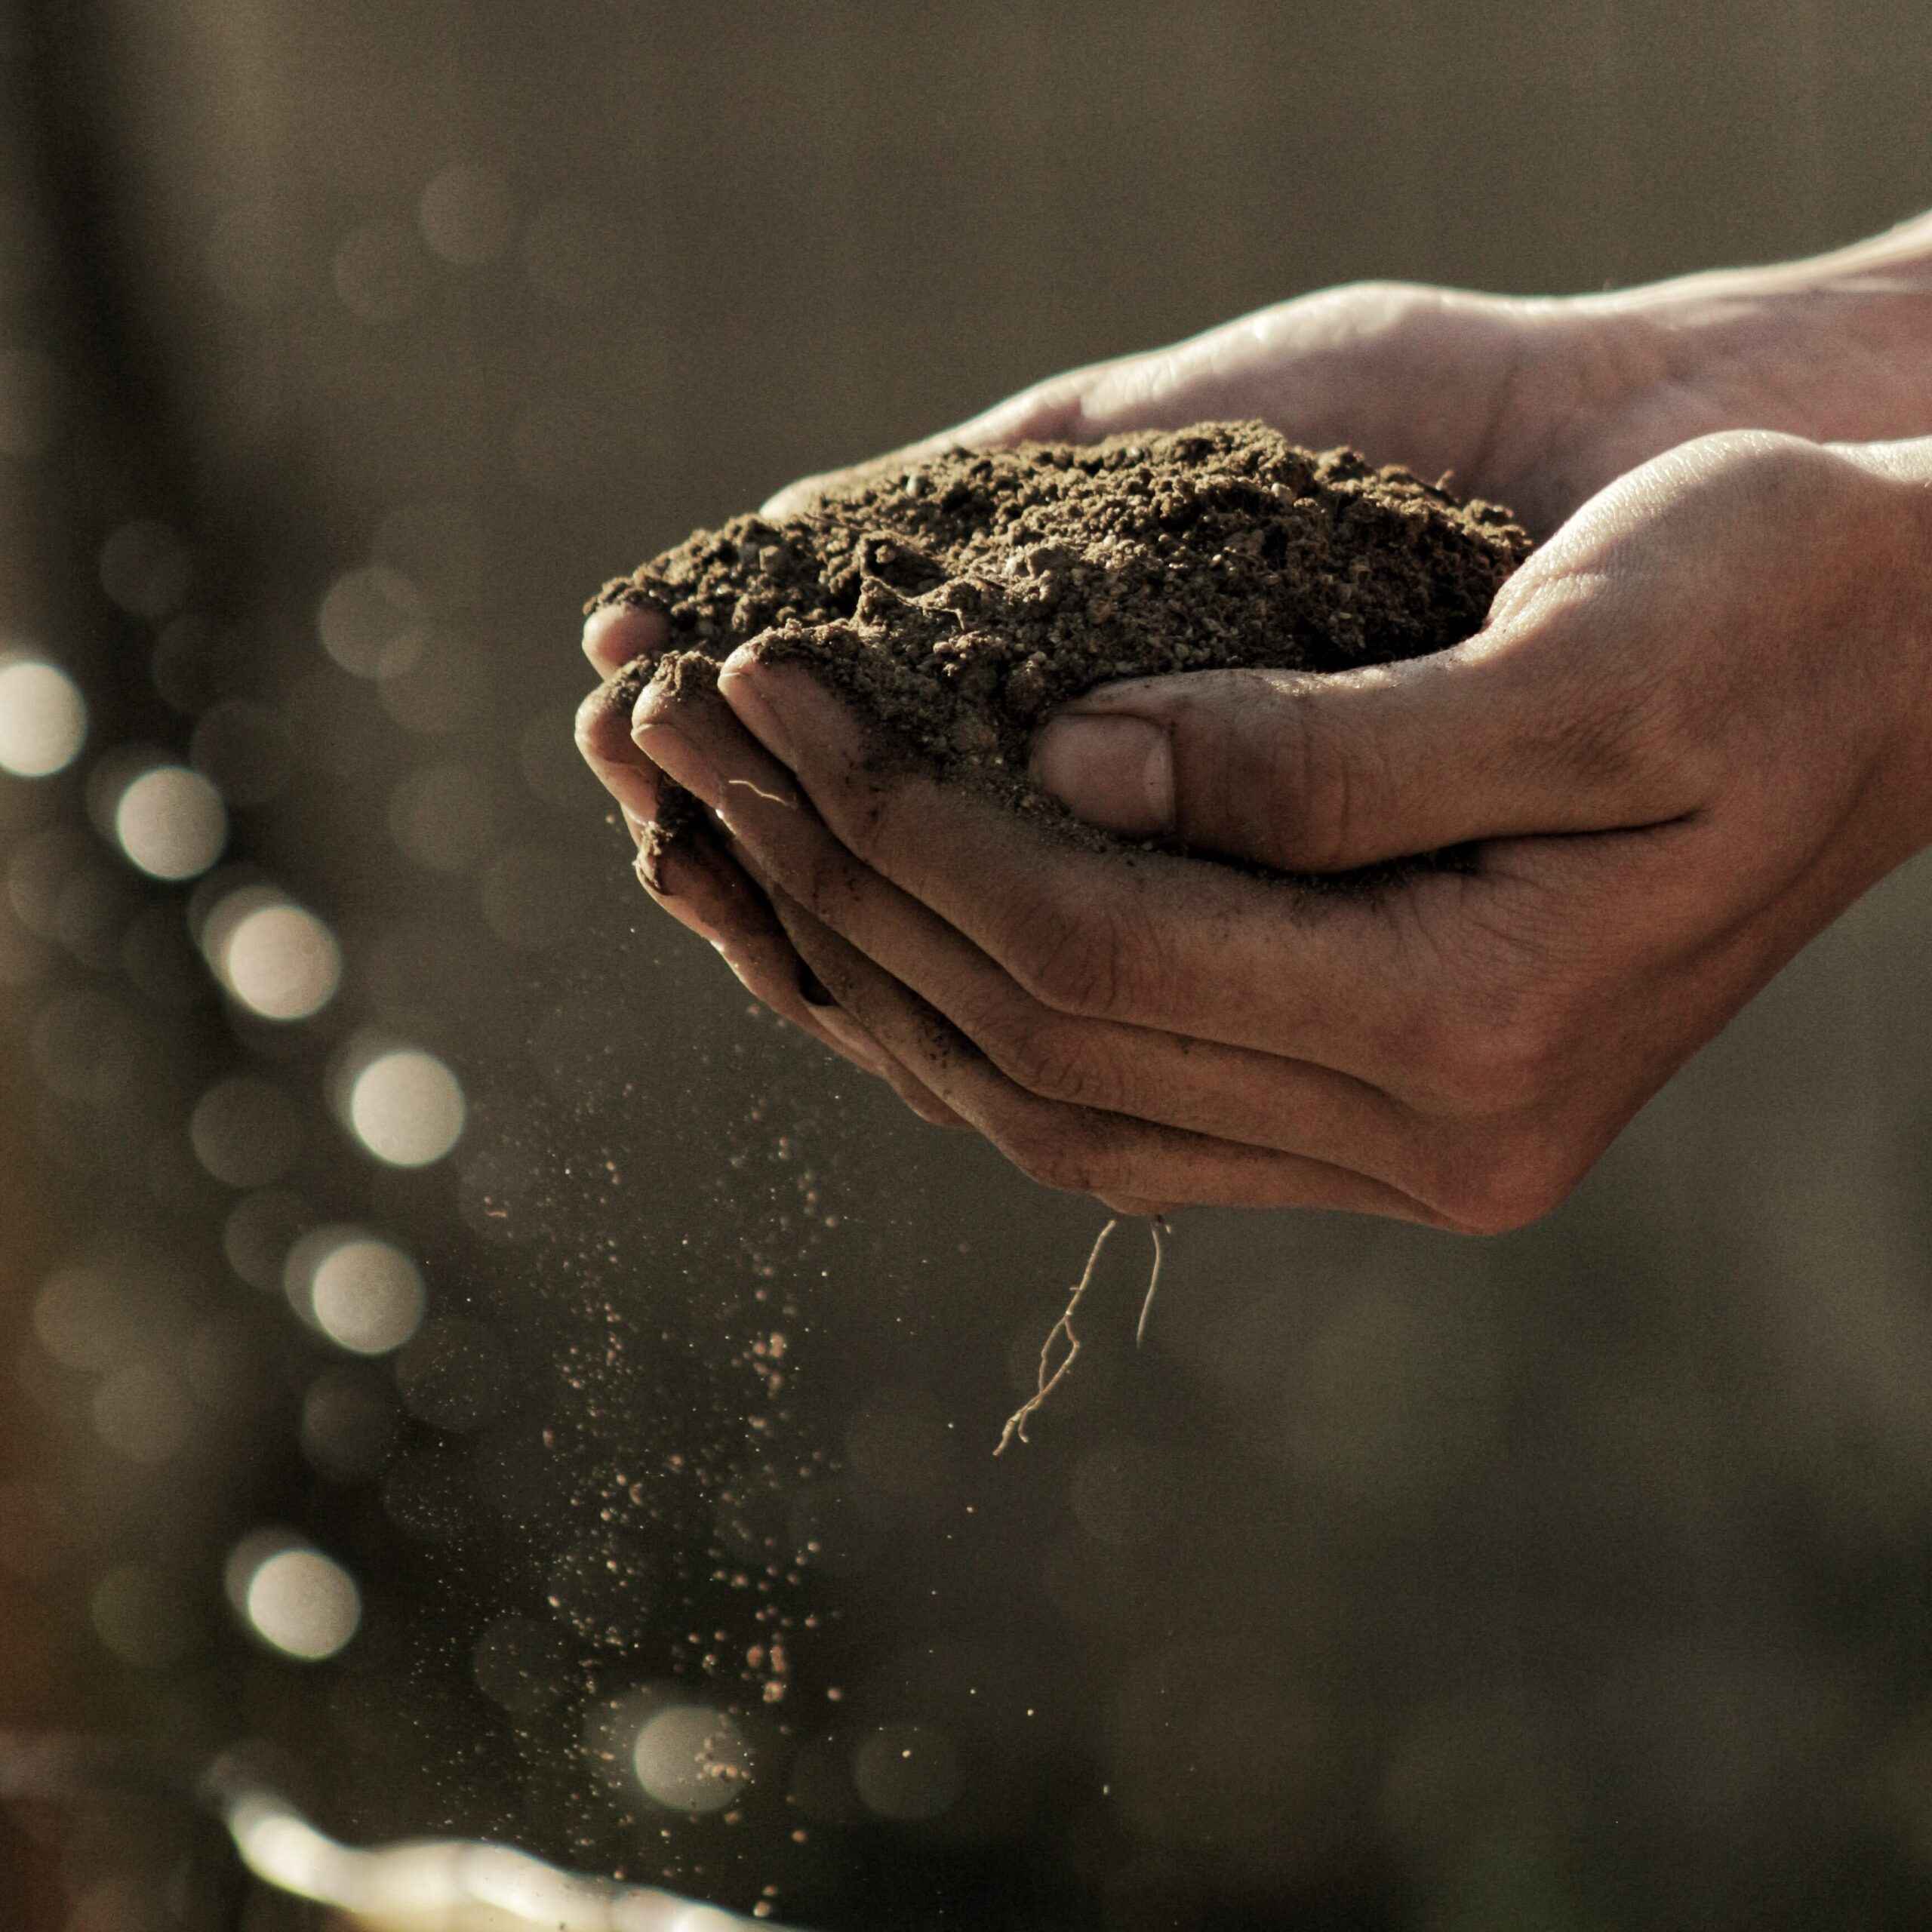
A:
(454, 1353)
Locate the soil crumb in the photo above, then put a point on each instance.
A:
(959, 600)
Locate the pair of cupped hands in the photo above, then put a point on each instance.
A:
(1696, 725)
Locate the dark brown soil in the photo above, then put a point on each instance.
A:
(958, 602)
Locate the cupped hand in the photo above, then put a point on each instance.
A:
(1693, 730)
(1534, 403)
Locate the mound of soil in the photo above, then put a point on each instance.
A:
(959, 600)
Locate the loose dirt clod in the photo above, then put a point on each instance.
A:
(959, 600)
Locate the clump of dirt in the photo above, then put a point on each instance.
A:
(959, 600)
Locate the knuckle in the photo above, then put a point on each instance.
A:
(1046, 1058)
(1521, 1178)
(1066, 960)
(1762, 475)
(1311, 784)
(1048, 1152)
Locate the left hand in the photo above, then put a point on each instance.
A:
(1694, 730)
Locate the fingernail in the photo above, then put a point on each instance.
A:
(1115, 772)
(635, 823)
(812, 988)
(738, 689)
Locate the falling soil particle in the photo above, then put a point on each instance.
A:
(959, 600)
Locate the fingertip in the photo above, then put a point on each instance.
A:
(749, 688)
(614, 634)
(934, 1113)
(793, 498)
(793, 712)
(602, 727)
(604, 743)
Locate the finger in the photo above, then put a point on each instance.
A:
(1345, 365)
(1351, 981)
(1228, 1092)
(659, 815)
(1358, 365)
(616, 635)
(826, 1011)
(703, 886)
(603, 729)
(698, 883)
(717, 902)
(1511, 735)
(1080, 1149)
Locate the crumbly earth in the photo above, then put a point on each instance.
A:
(959, 600)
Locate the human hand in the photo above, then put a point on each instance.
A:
(1692, 732)
(1489, 388)
(1534, 403)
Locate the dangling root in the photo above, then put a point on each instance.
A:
(1157, 1227)
(1050, 1378)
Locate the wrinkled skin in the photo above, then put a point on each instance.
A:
(1693, 730)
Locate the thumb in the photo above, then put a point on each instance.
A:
(1320, 772)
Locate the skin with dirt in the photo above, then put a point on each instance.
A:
(959, 600)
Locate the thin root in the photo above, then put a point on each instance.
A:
(1016, 1423)
(1050, 1378)
(1156, 1226)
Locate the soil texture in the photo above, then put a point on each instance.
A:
(959, 600)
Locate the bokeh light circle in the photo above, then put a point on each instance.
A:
(295, 1599)
(275, 957)
(245, 1131)
(43, 718)
(368, 620)
(170, 822)
(691, 1757)
(85, 1318)
(406, 1108)
(466, 214)
(365, 1293)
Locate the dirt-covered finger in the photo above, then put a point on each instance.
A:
(704, 889)
(831, 1018)
(1079, 1149)
(616, 635)
(1204, 1086)
(1333, 976)
(603, 741)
